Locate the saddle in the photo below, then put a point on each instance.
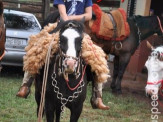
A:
(110, 26)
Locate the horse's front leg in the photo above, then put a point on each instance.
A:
(76, 111)
(115, 73)
(58, 112)
(123, 62)
(49, 107)
(37, 98)
(38, 86)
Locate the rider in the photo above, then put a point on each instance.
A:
(69, 10)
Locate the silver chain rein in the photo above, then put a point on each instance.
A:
(60, 95)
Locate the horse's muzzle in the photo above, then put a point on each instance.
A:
(70, 65)
(151, 92)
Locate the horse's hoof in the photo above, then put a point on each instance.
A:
(112, 86)
(119, 92)
(114, 90)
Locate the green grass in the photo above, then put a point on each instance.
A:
(123, 109)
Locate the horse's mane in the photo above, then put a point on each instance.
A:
(1, 7)
(139, 18)
(51, 18)
(145, 21)
(62, 25)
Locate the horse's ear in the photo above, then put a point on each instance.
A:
(61, 20)
(82, 20)
(150, 46)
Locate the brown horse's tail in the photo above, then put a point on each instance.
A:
(1, 7)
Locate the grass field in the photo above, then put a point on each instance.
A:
(123, 109)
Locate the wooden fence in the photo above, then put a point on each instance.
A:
(40, 9)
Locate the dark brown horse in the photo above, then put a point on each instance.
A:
(2, 32)
(141, 27)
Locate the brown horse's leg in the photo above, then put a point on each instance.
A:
(123, 62)
(115, 74)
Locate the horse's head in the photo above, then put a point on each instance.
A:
(149, 25)
(154, 66)
(70, 45)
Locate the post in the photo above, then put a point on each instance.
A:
(143, 7)
(124, 5)
(46, 8)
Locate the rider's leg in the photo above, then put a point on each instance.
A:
(96, 99)
(26, 84)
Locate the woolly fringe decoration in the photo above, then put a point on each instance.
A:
(96, 58)
(38, 47)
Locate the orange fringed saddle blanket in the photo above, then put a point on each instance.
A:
(103, 27)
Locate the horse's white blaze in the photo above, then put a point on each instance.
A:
(71, 35)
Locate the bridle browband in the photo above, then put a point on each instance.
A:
(71, 25)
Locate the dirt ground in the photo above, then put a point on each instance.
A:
(134, 84)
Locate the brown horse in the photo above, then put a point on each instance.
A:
(2, 32)
(141, 27)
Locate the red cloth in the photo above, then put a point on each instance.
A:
(122, 1)
(103, 27)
